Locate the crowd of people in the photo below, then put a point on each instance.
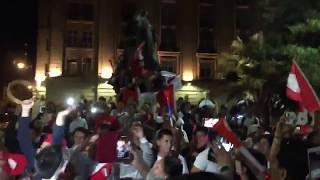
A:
(122, 140)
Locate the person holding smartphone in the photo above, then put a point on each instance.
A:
(214, 159)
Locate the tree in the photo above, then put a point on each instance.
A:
(305, 48)
(259, 74)
(293, 27)
(286, 30)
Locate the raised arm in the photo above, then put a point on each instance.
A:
(143, 144)
(24, 134)
(275, 147)
(139, 163)
(59, 128)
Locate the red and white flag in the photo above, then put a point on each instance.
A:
(172, 78)
(300, 90)
(222, 128)
(166, 98)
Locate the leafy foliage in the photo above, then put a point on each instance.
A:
(252, 62)
(289, 30)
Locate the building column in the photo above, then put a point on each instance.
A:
(109, 20)
(187, 15)
(225, 24)
(225, 30)
(57, 37)
(43, 40)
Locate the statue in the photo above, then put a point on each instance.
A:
(139, 67)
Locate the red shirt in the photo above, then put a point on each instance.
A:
(104, 118)
(106, 151)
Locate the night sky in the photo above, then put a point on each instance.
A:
(18, 26)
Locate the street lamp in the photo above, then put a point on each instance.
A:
(21, 65)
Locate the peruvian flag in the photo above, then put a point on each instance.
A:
(172, 78)
(221, 127)
(299, 89)
(166, 98)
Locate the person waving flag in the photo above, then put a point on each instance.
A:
(300, 90)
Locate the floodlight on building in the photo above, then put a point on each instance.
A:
(39, 79)
(54, 72)
(106, 72)
(187, 76)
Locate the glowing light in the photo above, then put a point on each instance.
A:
(29, 87)
(39, 79)
(105, 85)
(187, 76)
(54, 72)
(106, 72)
(21, 65)
(94, 110)
(70, 101)
(210, 122)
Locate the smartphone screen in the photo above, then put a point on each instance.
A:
(227, 146)
(123, 148)
(209, 123)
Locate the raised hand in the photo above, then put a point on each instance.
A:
(26, 107)
(27, 104)
(94, 138)
(278, 135)
(280, 128)
(62, 116)
(137, 131)
(222, 156)
(65, 112)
